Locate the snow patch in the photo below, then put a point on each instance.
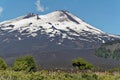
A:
(34, 34)
(19, 38)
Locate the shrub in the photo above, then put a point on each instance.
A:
(3, 64)
(25, 64)
(81, 64)
(89, 77)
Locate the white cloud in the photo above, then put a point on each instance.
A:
(39, 7)
(1, 10)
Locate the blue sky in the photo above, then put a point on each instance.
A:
(102, 14)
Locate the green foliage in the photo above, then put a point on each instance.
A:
(82, 64)
(55, 75)
(89, 77)
(3, 64)
(114, 69)
(106, 53)
(25, 64)
(109, 50)
(103, 52)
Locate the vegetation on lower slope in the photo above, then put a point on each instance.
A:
(26, 63)
(82, 64)
(109, 50)
(3, 64)
(25, 68)
(57, 75)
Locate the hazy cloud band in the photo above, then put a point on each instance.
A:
(39, 7)
(1, 10)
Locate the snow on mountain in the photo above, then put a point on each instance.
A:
(54, 39)
(61, 20)
(60, 24)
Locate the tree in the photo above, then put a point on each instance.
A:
(26, 63)
(81, 64)
(3, 64)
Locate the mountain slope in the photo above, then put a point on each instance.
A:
(54, 39)
(57, 29)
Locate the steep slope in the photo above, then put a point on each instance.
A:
(56, 30)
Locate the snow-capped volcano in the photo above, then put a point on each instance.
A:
(61, 20)
(57, 29)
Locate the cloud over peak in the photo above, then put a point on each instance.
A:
(39, 7)
(1, 10)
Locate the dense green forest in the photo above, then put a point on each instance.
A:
(109, 50)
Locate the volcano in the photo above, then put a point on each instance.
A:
(51, 38)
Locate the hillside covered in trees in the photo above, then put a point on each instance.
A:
(109, 50)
